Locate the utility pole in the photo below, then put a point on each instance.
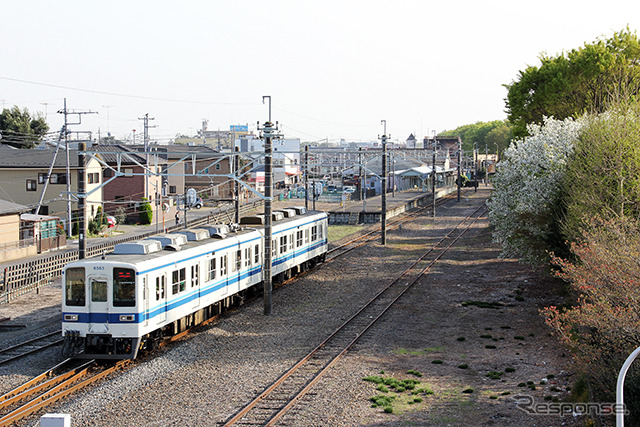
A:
(268, 133)
(66, 145)
(145, 120)
(81, 201)
(363, 180)
(459, 165)
(236, 184)
(306, 177)
(433, 175)
(383, 222)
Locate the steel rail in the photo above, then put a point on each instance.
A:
(291, 401)
(56, 389)
(373, 321)
(31, 351)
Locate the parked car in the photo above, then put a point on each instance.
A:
(348, 189)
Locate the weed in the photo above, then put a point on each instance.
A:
(509, 369)
(485, 336)
(437, 362)
(495, 375)
(416, 373)
(493, 397)
(460, 338)
(463, 366)
(490, 346)
(468, 390)
(518, 337)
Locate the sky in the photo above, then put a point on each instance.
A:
(333, 69)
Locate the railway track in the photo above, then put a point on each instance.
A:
(61, 381)
(31, 346)
(51, 386)
(281, 396)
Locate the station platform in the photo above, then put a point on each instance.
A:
(370, 211)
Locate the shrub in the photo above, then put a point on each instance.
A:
(146, 212)
(603, 328)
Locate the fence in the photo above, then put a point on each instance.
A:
(25, 277)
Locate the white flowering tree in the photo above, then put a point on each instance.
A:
(524, 207)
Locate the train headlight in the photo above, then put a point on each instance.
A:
(127, 317)
(70, 317)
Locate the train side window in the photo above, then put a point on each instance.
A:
(274, 248)
(283, 244)
(164, 286)
(237, 261)
(291, 242)
(124, 287)
(247, 257)
(223, 265)
(256, 259)
(314, 233)
(298, 238)
(157, 288)
(320, 229)
(178, 283)
(306, 236)
(212, 268)
(74, 287)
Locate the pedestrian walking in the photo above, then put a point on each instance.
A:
(177, 218)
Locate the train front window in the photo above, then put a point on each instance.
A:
(124, 287)
(98, 291)
(74, 287)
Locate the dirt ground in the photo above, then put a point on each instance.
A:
(470, 331)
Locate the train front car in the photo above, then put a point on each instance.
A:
(100, 310)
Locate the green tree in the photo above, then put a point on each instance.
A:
(583, 80)
(603, 176)
(19, 129)
(492, 134)
(146, 212)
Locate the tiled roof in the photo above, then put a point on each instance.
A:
(32, 158)
(109, 154)
(7, 207)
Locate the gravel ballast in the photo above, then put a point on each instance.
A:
(208, 376)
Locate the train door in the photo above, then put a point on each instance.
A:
(161, 298)
(195, 284)
(146, 297)
(98, 305)
(224, 274)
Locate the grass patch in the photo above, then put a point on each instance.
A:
(337, 232)
(411, 352)
(468, 390)
(397, 394)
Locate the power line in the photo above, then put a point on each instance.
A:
(124, 95)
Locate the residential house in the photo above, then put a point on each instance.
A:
(126, 181)
(25, 179)
(11, 245)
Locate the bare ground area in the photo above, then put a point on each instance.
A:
(474, 314)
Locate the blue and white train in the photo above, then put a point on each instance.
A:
(118, 304)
